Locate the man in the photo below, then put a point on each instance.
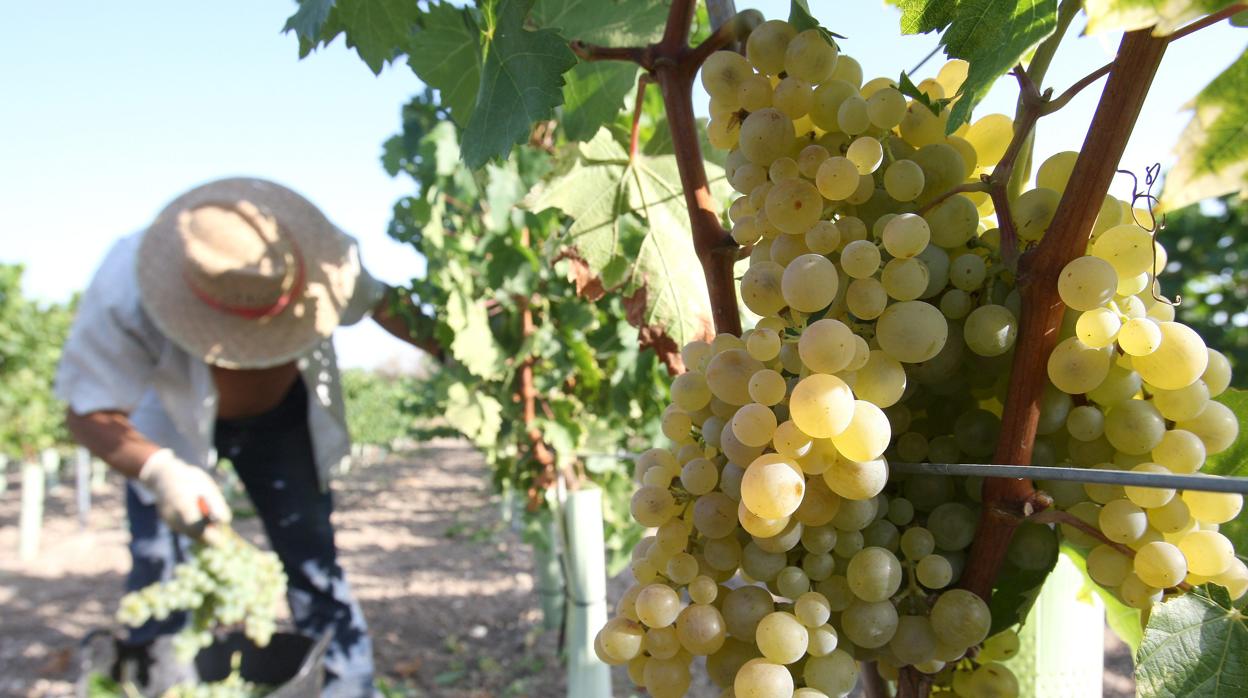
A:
(210, 331)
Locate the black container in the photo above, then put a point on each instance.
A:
(291, 663)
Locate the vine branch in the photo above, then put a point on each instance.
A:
(1209, 21)
(1064, 98)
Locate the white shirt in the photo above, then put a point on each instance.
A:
(116, 359)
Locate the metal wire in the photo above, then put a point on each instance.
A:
(1203, 483)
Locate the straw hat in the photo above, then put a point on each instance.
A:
(245, 273)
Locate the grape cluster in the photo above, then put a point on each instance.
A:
(232, 686)
(886, 325)
(226, 583)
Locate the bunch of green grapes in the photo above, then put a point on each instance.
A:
(886, 322)
(225, 583)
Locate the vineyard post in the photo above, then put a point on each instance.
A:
(4, 473)
(33, 479)
(82, 483)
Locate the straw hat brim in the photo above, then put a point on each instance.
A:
(331, 267)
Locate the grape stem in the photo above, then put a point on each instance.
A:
(968, 187)
(526, 394)
(672, 63)
(874, 685)
(638, 108)
(1064, 98)
(1209, 21)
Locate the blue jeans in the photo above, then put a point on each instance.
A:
(272, 454)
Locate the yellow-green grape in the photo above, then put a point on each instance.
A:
(906, 235)
(905, 279)
(700, 629)
(952, 74)
(758, 678)
(1136, 594)
(1139, 337)
(903, 180)
(793, 205)
(967, 272)
(676, 425)
(781, 638)
(826, 346)
(837, 178)
(657, 605)
(917, 543)
(1216, 426)
(1217, 373)
(690, 392)
(1149, 497)
(943, 168)
(754, 92)
(1208, 553)
(810, 57)
(1234, 578)
(1128, 247)
(867, 434)
(681, 568)
(852, 115)
(767, 134)
(860, 259)
(1160, 564)
(1182, 404)
(823, 237)
(652, 505)
(1085, 422)
(882, 380)
(826, 102)
(699, 476)
(869, 624)
(834, 674)
(1131, 285)
(1122, 521)
(1075, 367)
(1171, 517)
(763, 344)
(703, 590)
(786, 248)
(862, 352)
(810, 158)
(999, 647)
(812, 609)
(1134, 426)
(991, 136)
(953, 221)
(966, 150)
(849, 70)
(754, 424)
(1033, 211)
(1055, 171)
(766, 46)
(748, 176)
(851, 229)
(619, 640)
(995, 680)
(761, 288)
(809, 283)
(724, 132)
(960, 618)
(746, 231)
(866, 298)
(866, 153)
(912, 331)
(874, 574)
(886, 107)
(790, 441)
(920, 127)
(990, 330)
(955, 304)
(1179, 360)
(1108, 567)
(772, 487)
(781, 170)
(767, 387)
(934, 571)
(821, 405)
(1121, 383)
(722, 75)
(1213, 507)
(793, 96)
(1087, 282)
(1098, 328)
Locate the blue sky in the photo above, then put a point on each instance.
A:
(112, 109)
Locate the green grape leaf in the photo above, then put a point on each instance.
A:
(1015, 593)
(1166, 15)
(378, 30)
(446, 56)
(1124, 620)
(1233, 462)
(593, 95)
(474, 346)
(473, 413)
(801, 19)
(308, 21)
(1213, 149)
(630, 230)
(993, 36)
(923, 16)
(521, 83)
(907, 87)
(1195, 645)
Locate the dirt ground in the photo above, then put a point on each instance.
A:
(446, 585)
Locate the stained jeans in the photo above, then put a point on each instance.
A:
(272, 454)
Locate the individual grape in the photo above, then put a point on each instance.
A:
(761, 288)
(619, 640)
(860, 259)
(754, 424)
(835, 673)
(821, 405)
(1136, 594)
(852, 116)
(781, 170)
(990, 330)
(995, 680)
(793, 96)
(1055, 171)
(1000, 647)
(866, 298)
(759, 678)
(1208, 553)
(866, 153)
(953, 221)
(1149, 497)
(1179, 360)
(781, 638)
(766, 46)
(967, 272)
(1128, 247)
(793, 205)
(856, 480)
(754, 92)
(826, 103)
(869, 624)
(1216, 426)
(772, 487)
(1122, 521)
(1033, 211)
(821, 643)
(1076, 368)
(920, 127)
(990, 135)
(786, 248)
(826, 346)
(886, 108)
(1134, 426)
(722, 74)
(934, 571)
(810, 56)
(874, 574)
(1139, 336)
(823, 237)
(867, 434)
(960, 618)
(906, 235)
(911, 331)
(955, 304)
(714, 515)
(1213, 507)
(837, 178)
(903, 180)
(1098, 328)
(1217, 373)
(809, 283)
(701, 629)
(914, 641)
(1086, 283)
(1181, 404)
(1160, 564)
(1034, 547)
(766, 134)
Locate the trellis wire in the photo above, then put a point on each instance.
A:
(1203, 483)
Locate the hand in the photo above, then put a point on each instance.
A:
(179, 487)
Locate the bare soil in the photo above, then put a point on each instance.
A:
(446, 585)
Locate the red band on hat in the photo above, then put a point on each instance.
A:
(257, 312)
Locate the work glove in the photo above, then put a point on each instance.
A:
(180, 488)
